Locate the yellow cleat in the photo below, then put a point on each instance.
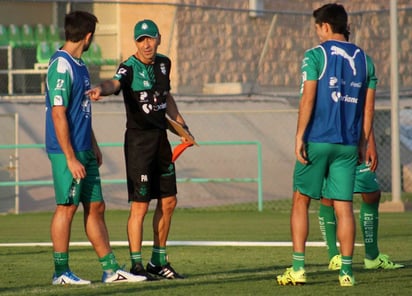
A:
(381, 262)
(291, 277)
(335, 263)
(346, 280)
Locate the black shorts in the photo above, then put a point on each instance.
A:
(149, 168)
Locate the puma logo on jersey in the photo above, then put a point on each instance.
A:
(351, 59)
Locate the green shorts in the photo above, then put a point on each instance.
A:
(331, 167)
(70, 191)
(366, 180)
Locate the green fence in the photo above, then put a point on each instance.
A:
(253, 179)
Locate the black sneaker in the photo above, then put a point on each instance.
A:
(138, 269)
(165, 271)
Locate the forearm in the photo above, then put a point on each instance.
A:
(94, 141)
(96, 150)
(61, 127)
(172, 110)
(109, 87)
(303, 120)
(369, 111)
(306, 105)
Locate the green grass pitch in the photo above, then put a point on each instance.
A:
(210, 270)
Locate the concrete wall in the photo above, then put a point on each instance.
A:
(216, 42)
(12, 12)
(225, 46)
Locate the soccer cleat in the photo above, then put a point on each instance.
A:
(335, 263)
(121, 276)
(346, 280)
(291, 277)
(138, 269)
(69, 278)
(381, 262)
(165, 271)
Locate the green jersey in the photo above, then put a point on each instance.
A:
(145, 89)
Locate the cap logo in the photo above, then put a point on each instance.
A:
(145, 28)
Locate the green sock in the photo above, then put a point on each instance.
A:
(136, 257)
(109, 262)
(61, 263)
(159, 256)
(298, 261)
(346, 268)
(327, 223)
(369, 220)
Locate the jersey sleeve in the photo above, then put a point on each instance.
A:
(161, 70)
(372, 79)
(311, 65)
(59, 82)
(123, 75)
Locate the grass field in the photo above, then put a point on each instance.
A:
(227, 270)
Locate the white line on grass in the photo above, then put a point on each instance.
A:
(179, 243)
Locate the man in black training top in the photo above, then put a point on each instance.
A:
(144, 79)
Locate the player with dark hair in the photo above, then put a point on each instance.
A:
(145, 83)
(75, 156)
(366, 184)
(334, 125)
